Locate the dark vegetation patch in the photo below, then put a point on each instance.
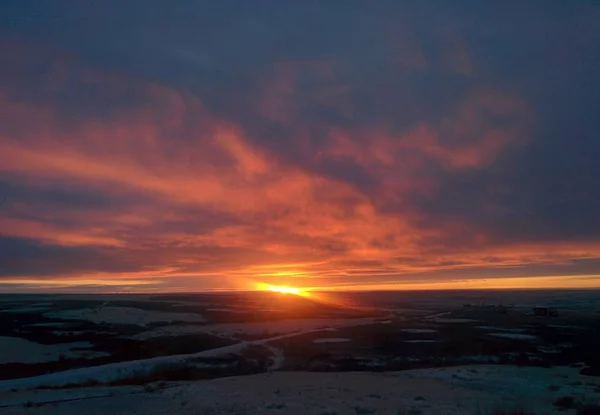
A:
(565, 402)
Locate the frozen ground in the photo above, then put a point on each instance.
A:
(118, 371)
(457, 390)
(16, 350)
(388, 340)
(124, 315)
(253, 328)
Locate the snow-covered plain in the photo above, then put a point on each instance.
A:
(451, 391)
(17, 350)
(124, 315)
(252, 328)
(123, 370)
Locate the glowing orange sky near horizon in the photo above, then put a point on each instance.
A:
(148, 286)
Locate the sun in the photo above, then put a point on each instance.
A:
(282, 289)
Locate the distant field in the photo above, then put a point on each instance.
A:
(350, 331)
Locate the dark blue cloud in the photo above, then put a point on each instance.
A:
(30, 257)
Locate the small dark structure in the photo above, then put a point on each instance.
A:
(545, 311)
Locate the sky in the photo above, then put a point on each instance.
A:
(203, 145)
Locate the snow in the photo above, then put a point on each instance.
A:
(330, 340)
(252, 328)
(122, 370)
(18, 350)
(452, 391)
(124, 315)
(418, 330)
(514, 336)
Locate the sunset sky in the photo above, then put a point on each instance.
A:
(197, 145)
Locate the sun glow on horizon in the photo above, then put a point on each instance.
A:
(285, 290)
(282, 289)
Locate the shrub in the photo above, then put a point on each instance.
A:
(564, 402)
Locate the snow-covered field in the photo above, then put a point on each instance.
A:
(452, 391)
(465, 390)
(17, 350)
(118, 371)
(252, 328)
(124, 315)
